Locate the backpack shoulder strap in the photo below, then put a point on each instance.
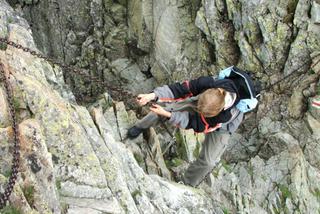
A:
(245, 85)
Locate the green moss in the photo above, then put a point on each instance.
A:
(179, 137)
(225, 210)
(10, 20)
(264, 178)
(3, 46)
(16, 104)
(136, 193)
(288, 18)
(318, 90)
(138, 158)
(4, 142)
(58, 184)
(7, 173)
(28, 193)
(174, 162)
(196, 151)
(182, 150)
(311, 71)
(285, 191)
(168, 163)
(215, 172)
(226, 166)
(250, 169)
(10, 210)
(316, 193)
(285, 195)
(291, 7)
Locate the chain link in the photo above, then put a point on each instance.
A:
(81, 72)
(16, 153)
(16, 147)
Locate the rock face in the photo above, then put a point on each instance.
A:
(71, 161)
(76, 159)
(157, 37)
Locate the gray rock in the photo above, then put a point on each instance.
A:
(69, 189)
(4, 112)
(130, 73)
(74, 161)
(314, 125)
(156, 153)
(315, 12)
(268, 126)
(84, 205)
(253, 181)
(191, 144)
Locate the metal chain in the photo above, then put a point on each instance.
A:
(16, 146)
(16, 153)
(81, 72)
(122, 92)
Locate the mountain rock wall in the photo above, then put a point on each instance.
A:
(76, 159)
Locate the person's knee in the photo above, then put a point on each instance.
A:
(211, 165)
(207, 163)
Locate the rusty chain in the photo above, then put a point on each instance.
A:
(16, 153)
(16, 146)
(81, 72)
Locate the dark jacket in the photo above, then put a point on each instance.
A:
(180, 91)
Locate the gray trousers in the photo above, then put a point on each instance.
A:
(213, 147)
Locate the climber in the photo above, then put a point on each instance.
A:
(214, 106)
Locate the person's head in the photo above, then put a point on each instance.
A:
(211, 102)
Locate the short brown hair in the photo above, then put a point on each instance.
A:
(211, 102)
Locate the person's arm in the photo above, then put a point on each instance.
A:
(179, 91)
(143, 99)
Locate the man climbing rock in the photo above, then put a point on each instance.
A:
(209, 105)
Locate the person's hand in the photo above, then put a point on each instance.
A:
(160, 111)
(143, 99)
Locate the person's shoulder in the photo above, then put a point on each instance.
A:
(226, 84)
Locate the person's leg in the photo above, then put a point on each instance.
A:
(213, 147)
(151, 119)
(146, 122)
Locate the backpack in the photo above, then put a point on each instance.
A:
(248, 90)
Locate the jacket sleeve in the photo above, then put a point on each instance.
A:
(174, 92)
(180, 119)
(186, 120)
(192, 87)
(180, 91)
(163, 93)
